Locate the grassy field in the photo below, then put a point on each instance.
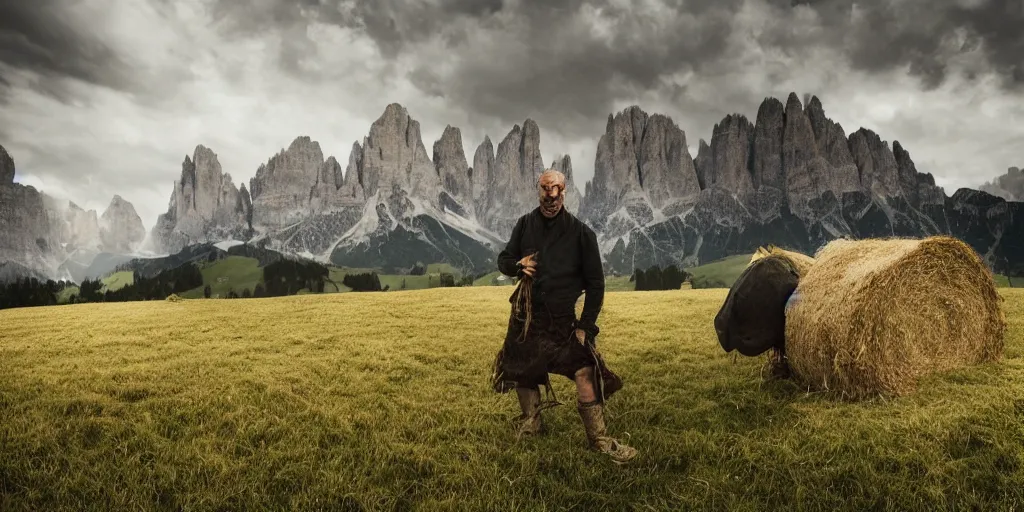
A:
(719, 274)
(1008, 282)
(492, 279)
(379, 401)
(117, 280)
(112, 282)
(396, 282)
(236, 273)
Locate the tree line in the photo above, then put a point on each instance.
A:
(27, 292)
(656, 278)
(366, 282)
(287, 277)
(30, 291)
(171, 281)
(281, 277)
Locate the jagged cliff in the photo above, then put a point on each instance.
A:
(54, 238)
(791, 178)
(205, 206)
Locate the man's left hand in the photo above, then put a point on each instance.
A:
(581, 335)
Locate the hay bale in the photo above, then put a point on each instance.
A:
(752, 319)
(801, 261)
(873, 316)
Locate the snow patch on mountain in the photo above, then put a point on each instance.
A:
(227, 244)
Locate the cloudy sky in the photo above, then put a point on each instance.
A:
(99, 97)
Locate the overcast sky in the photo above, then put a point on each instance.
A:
(104, 97)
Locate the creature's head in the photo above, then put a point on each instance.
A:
(551, 191)
(763, 252)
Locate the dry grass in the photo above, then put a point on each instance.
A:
(874, 316)
(380, 401)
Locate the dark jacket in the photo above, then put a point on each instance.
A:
(568, 263)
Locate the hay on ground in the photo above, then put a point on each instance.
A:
(752, 318)
(873, 316)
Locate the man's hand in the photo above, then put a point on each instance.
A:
(528, 265)
(581, 335)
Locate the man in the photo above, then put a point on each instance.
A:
(556, 258)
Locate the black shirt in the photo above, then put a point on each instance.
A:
(568, 263)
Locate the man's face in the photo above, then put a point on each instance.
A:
(552, 193)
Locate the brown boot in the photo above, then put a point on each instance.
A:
(530, 421)
(592, 414)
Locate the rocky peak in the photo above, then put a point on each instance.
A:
(6, 168)
(616, 169)
(395, 161)
(907, 172)
(205, 159)
(352, 189)
(513, 178)
(121, 228)
(643, 164)
(731, 143)
(879, 172)
(200, 184)
(204, 205)
(452, 168)
(563, 164)
(842, 174)
(1009, 186)
(768, 135)
(803, 166)
(666, 168)
(482, 174)
(280, 190)
(325, 195)
(81, 228)
(703, 164)
(331, 173)
(816, 114)
(927, 192)
(530, 149)
(27, 235)
(244, 204)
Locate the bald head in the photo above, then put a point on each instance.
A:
(551, 189)
(551, 177)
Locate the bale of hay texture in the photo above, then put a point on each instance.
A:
(873, 316)
(752, 319)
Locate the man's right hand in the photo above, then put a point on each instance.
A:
(528, 265)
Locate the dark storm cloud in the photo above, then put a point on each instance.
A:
(43, 37)
(391, 24)
(568, 71)
(567, 63)
(921, 34)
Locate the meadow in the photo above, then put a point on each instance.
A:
(380, 401)
(240, 273)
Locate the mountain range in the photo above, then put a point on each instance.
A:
(41, 236)
(1009, 186)
(792, 177)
